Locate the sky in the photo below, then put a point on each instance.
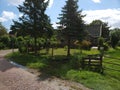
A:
(105, 10)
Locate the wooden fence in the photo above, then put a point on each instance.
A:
(93, 62)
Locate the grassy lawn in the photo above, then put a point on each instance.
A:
(57, 66)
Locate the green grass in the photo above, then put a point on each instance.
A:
(56, 66)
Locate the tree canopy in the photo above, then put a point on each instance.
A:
(115, 37)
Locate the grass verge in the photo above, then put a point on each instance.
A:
(56, 66)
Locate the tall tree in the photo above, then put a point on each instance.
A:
(71, 23)
(34, 21)
(105, 28)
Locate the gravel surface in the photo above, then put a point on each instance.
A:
(15, 78)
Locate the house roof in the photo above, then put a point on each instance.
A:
(94, 30)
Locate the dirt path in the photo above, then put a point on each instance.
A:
(15, 78)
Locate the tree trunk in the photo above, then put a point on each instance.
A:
(35, 47)
(68, 49)
(52, 51)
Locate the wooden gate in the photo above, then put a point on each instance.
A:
(93, 62)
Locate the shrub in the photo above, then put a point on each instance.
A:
(100, 41)
(22, 49)
(106, 46)
(5, 40)
(2, 46)
(86, 45)
(119, 43)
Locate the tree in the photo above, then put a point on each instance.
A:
(71, 23)
(3, 30)
(115, 37)
(105, 28)
(5, 40)
(34, 21)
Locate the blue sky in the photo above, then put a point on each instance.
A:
(105, 10)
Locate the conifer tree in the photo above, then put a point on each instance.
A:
(71, 23)
(34, 21)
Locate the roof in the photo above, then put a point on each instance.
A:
(94, 30)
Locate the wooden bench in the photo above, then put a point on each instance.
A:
(93, 62)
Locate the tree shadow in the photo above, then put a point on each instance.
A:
(5, 65)
(43, 77)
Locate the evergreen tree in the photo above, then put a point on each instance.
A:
(34, 21)
(71, 23)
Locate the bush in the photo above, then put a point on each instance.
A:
(86, 45)
(119, 43)
(106, 46)
(22, 49)
(2, 46)
(100, 41)
(5, 40)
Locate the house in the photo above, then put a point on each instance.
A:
(94, 32)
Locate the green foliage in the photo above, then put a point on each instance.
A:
(71, 70)
(100, 41)
(34, 21)
(115, 37)
(37, 65)
(93, 80)
(3, 30)
(5, 40)
(22, 49)
(106, 46)
(119, 43)
(86, 45)
(2, 46)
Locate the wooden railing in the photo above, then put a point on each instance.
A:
(93, 62)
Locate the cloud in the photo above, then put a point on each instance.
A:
(6, 16)
(15, 2)
(96, 1)
(18, 2)
(50, 3)
(55, 25)
(112, 16)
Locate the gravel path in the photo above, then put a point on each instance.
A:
(15, 78)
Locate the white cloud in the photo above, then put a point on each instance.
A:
(50, 3)
(112, 16)
(55, 25)
(18, 2)
(96, 1)
(6, 16)
(15, 2)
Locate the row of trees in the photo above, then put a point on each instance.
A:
(35, 24)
